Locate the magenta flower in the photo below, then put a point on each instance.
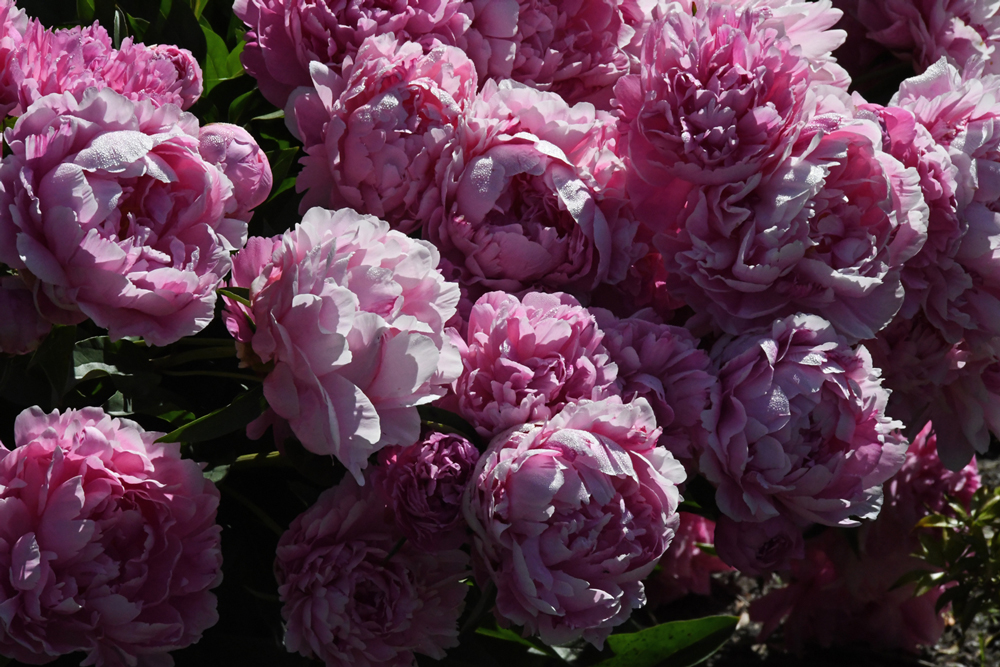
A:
(533, 195)
(22, 329)
(110, 541)
(570, 514)
(686, 569)
(115, 216)
(375, 131)
(233, 150)
(525, 360)
(13, 25)
(346, 602)
(423, 484)
(575, 49)
(662, 364)
(351, 315)
(798, 428)
(285, 36)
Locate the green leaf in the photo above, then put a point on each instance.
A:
(239, 294)
(510, 636)
(676, 644)
(281, 161)
(238, 105)
(233, 63)
(217, 67)
(216, 474)
(244, 409)
(55, 358)
(85, 11)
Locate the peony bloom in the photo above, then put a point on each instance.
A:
(846, 592)
(798, 427)
(573, 48)
(110, 541)
(13, 25)
(533, 195)
(423, 484)
(22, 329)
(72, 60)
(757, 548)
(350, 316)
(286, 36)
(233, 150)
(570, 515)
(663, 364)
(524, 360)
(347, 602)
(925, 31)
(115, 216)
(375, 131)
(686, 569)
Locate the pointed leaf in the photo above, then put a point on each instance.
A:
(676, 644)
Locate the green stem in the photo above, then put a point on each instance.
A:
(486, 600)
(215, 374)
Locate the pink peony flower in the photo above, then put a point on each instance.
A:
(375, 131)
(22, 329)
(525, 360)
(757, 548)
(423, 484)
(686, 569)
(286, 36)
(663, 364)
(798, 427)
(72, 60)
(845, 591)
(115, 216)
(233, 150)
(570, 515)
(926, 30)
(347, 602)
(576, 49)
(533, 195)
(110, 541)
(13, 25)
(351, 315)
(779, 248)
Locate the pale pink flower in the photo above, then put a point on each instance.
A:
(13, 25)
(375, 130)
(570, 514)
(110, 540)
(233, 150)
(285, 36)
(685, 568)
(114, 215)
(524, 360)
(533, 195)
(22, 328)
(661, 363)
(798, 427)
(351, 316)
(349, 597)
(163, 73)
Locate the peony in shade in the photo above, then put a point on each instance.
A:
(350, 320)
(236, 153)
(375, 130)
(533, 195)
(524, 360)
(115, 216)
(569, 516)
(685, 568)
(423, 484)
(286, 36)
(758, 548)
(346, 602)
(22, 329)
(798, 428)
(110, 540)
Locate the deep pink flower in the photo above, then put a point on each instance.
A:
(798, 428)
(685, 568)
(569, 516)
(346, 602)
(576, 48)
(533, 195)
(13, 25)
(285, 36)
(162, 73)
(526, 359)
(926, 30)
(758, 547)
(423, 484)
(110, 541)
(233, 150)
(114, 215)
(351, 315)
(375, 130)
(661, 363)
(22, 329)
